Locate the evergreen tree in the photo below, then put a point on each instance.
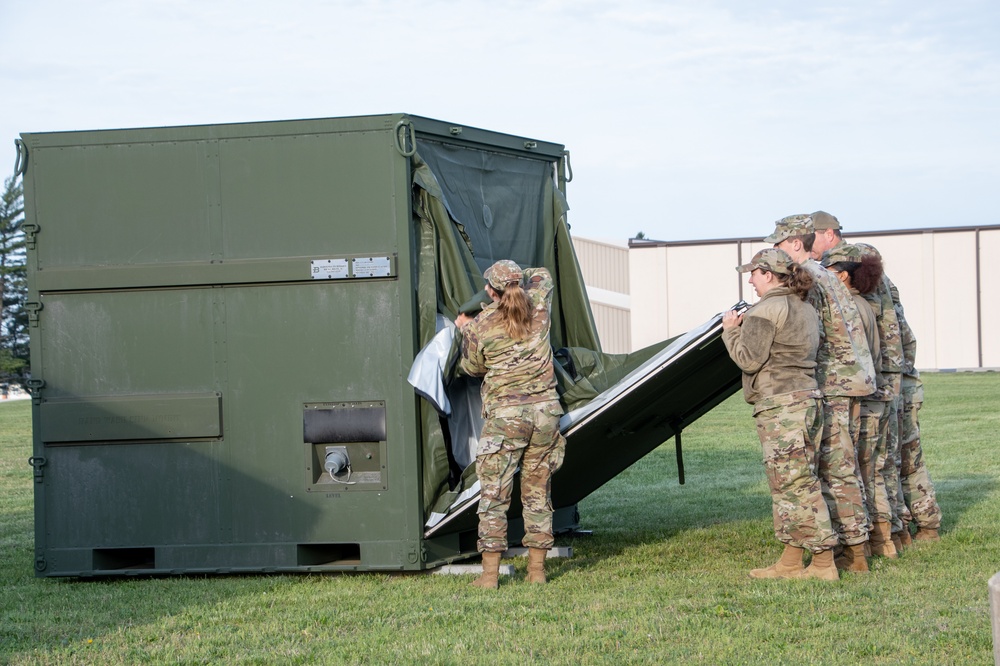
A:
(13, 285)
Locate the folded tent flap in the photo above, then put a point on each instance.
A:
(651, 404)
(475, 203)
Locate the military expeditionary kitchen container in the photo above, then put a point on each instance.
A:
(224, 318)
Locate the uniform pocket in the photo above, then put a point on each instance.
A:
(558, 454)
(554, 408)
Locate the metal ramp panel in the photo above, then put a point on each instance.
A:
(652, 404)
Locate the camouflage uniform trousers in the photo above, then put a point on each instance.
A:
(527, 435)
(872, 458)
(838, 470)
(918, 490)
(788, 436)
(891, 466)
(855, 430)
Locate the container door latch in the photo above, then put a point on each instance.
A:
(30, 229)
(37, 462)
(33, 309)
(35, 389)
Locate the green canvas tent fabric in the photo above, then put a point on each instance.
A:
(474, 207)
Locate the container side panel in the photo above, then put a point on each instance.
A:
(127, 343)
(103, 496)
(301, 196)
(124, 204)
(292, 347)
(159, 417)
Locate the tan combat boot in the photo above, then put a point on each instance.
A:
(822, 566)
(853, 559)
(926, 534)
(789, 565)
(897, 541)
(536, 565)
(904, 536)
(880, 539)
(491, 570)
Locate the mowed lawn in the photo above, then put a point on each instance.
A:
(663, 579)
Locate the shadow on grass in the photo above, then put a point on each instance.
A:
(962, 496)
(725, 494)
(720, 485)
(644, 518)
(42, 614)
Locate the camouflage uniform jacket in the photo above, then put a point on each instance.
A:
(890, 349)
(871, 329)
(908, 340)
(515, 372)
(775, 347)
(844, 363)
(911, 377)
(894, 358)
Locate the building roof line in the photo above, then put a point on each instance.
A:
(645, 243)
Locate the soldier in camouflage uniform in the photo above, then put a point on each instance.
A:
(883, 333)
(891, 510)
(904, 457)
(774, 343)
(845, 373)
(508, 345)
(918, 490)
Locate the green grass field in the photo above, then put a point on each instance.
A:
(663, 579)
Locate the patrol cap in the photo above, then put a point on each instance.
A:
(842, 254)
(787, 227)
(868, 250)
(823, 221)
(503, 272)
(770, 259)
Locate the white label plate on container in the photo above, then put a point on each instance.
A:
(328, 269)
(371, 267)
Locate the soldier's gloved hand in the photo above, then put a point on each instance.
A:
(730, 319)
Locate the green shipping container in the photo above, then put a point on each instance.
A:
(223, 319)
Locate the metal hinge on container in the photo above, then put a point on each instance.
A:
(33, 309)
(38, 462)
(30, 229)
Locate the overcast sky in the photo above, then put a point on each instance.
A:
(685, 120)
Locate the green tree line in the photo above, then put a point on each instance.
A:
(13, 286)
